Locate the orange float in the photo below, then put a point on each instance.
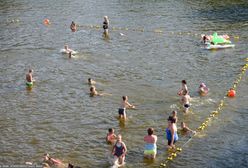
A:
(231, 93)
(46, 22)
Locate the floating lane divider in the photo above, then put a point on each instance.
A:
(157, 31)
(173, 153)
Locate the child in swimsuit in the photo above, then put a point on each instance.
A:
(119, 151)
(124, 105)
(111, 137)
(93, 92)
(29, 78)
(150, 146)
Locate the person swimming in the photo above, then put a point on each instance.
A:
(91, 82)
(105, 25)
(111, 137)
(93, 92)
(73, 26)
(203, 90)
(186, 101)
(171, 132)
(150, 146)
(29, 78)
(124, 104)
(119, 151)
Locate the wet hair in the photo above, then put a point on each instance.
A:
(184, 82)
(150, 131)
(124, 98)
(172, 119)
(89, 79)
(30, 70)
(92, 88)
(174, 112)
(110, 130)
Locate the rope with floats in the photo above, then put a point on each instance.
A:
(157, 31)
(173, 153)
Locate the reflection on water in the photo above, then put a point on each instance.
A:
(58, 117)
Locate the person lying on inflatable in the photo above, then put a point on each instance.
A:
(209, 38)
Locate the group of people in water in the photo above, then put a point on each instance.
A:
(119, 149)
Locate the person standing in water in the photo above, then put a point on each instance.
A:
(119, 151)
(185, 101)
(105, 25)
(174, 115)
(150, 146)
(111, 137)
(124, 105)
(171, 132)
(183, 89)
(29, 78)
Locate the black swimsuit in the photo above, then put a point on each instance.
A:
(105, 25)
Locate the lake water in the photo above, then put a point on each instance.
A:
(59, 117)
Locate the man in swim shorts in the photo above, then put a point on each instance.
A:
(29, 78)
(185, 101)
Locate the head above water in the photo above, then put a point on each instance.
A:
(150, 131)
(105, 17)
(92, 88)
(171, 119)
(111, 130)
(184, 82)
(183, 124)
(30, 71)
(119, 137)
(66, 47)
(174, 113)
(124, 98)
(202, 85)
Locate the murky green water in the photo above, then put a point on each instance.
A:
(60, 118)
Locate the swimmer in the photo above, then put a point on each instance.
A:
(91, 82)
(174, 115)
(119, 151)
(171, 132)
(186, 129)
(73, 26)
(67, 49)
(111, 137)
(150, 146)
(203, 90)
(70, 54)
(29, 78)
(124, 105)
(184, 88)
(93, 92)
(105, 25)
(185, 101)
(51, 161)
